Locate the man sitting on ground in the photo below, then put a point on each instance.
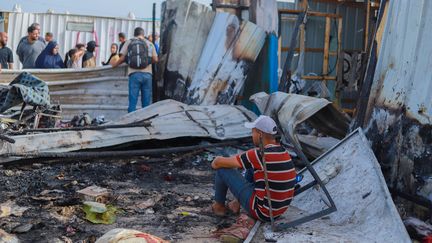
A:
(250, 190)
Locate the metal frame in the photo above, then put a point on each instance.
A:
(317, 181)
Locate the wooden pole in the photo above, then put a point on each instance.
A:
(339, 65)
(310, 13)
(366, 33)
(326, 46)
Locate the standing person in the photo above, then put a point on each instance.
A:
(30, 48)
(50, 58)
(122, 40)
(157, 42)
(78, 52)
(250, 190)
(6, 55)
(114, 57)
(38, 28)
(89, 60)
(48, 37)
(141, 54)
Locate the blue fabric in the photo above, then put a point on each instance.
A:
(156, 45)
(139, 81)
(47, 60)
(241, 187)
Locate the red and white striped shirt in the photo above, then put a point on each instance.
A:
(281, 177)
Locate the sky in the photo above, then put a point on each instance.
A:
(110, 8)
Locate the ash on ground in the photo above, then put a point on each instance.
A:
(167, 198)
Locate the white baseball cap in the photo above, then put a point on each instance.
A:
(264, 124)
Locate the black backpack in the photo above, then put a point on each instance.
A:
(138, 54)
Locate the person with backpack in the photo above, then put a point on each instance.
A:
(140, 54)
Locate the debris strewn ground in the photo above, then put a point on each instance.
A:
(165, 198)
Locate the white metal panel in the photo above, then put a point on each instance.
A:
(105, 30)
(183, 23)
(403, 76)
(230, 50)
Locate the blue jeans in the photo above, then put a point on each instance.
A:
(139, 81)
(241, 187)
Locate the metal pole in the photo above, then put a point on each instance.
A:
(113, 154)
(266, 183)
(154, 70)
(114, 126)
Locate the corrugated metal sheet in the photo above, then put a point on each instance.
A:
(96, 91)
(105, 30)
(229, 52)
(403, 76)
(169, 119)
(352, 33)
(400, 107)
(183, 22)
(218, 47)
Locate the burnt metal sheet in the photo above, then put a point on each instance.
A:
(184, 30)
(169, 119)
(403, 77)
(353, 177)
(264, 13)
(206, 55)
(292, 109)
(399, 114)
(231, 48)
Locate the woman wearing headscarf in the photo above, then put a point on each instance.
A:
(114, 57)
(89, 60)
(49, 57)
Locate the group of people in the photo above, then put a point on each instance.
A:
(34, 51)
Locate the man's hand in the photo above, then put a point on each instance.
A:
(120, 61)
(214, 164)
(225, 162)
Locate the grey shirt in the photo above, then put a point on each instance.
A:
(28, 52)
